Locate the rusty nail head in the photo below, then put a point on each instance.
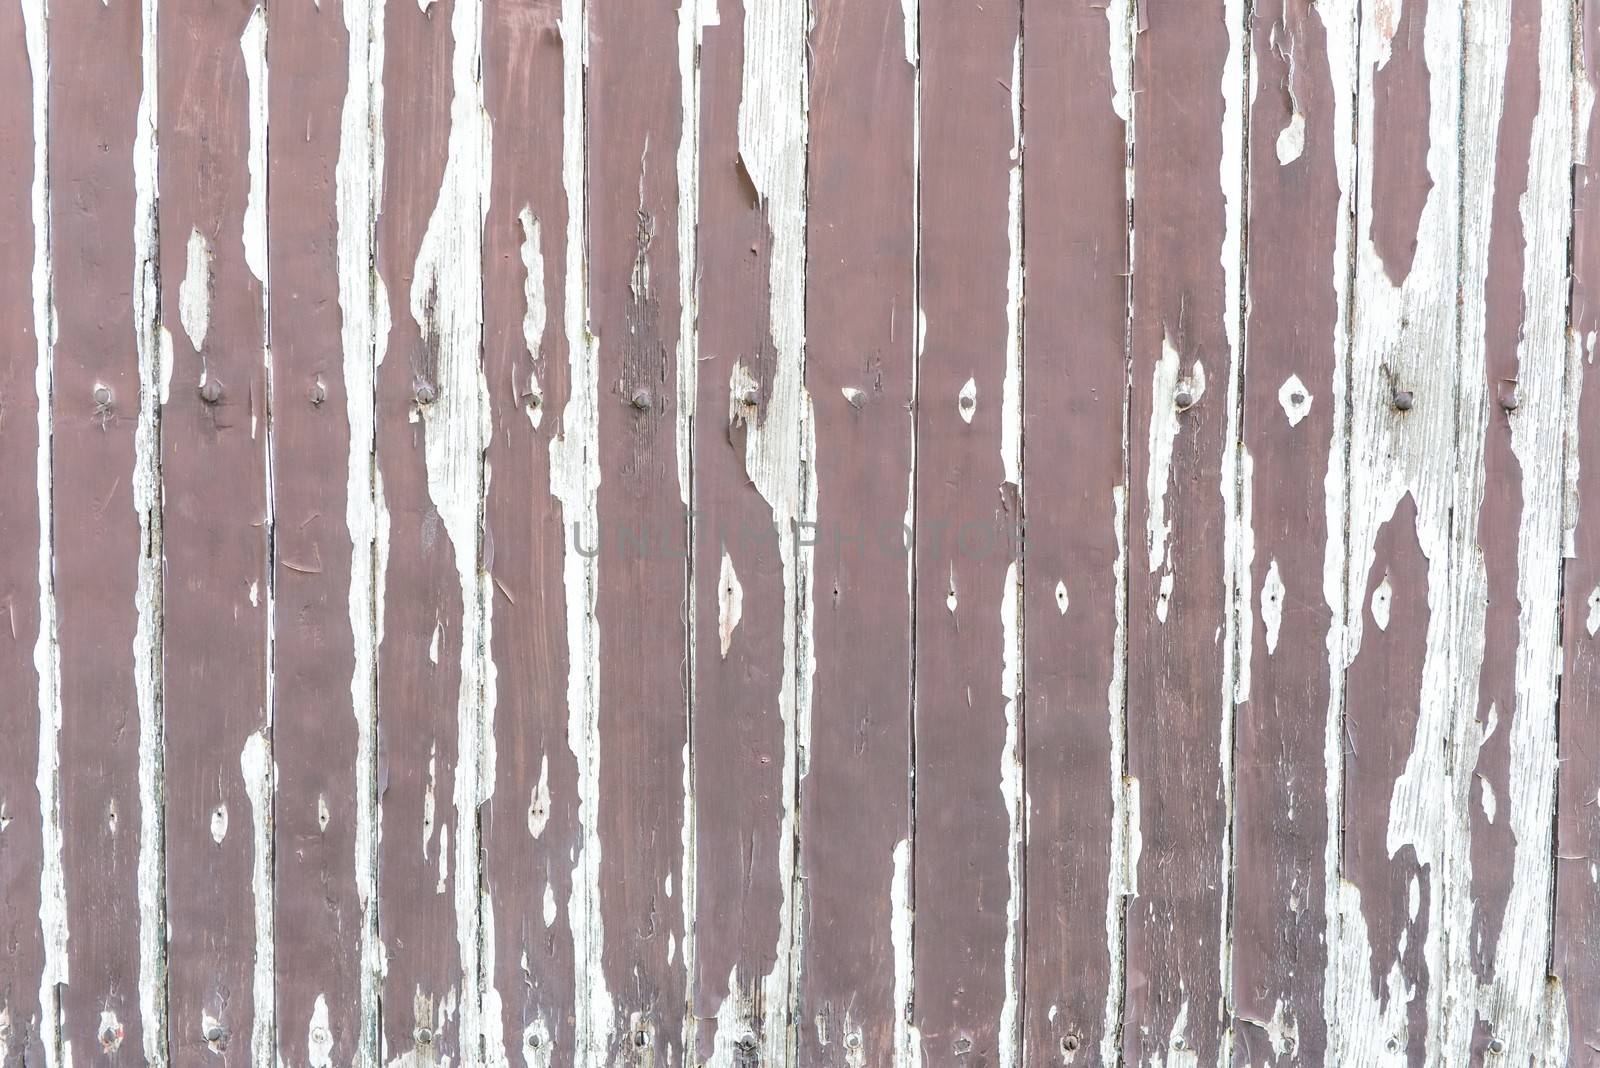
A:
(423, 393)
(750, 396)
(852, 1041)
(1184, 400)
(424, 1036)
(1403, 399)
(318, 394)
(747, 1042)
(1497, 1045)
(641, 1038)
(102, 395)
(214, 1033)
(534, 1041)
(211, 391)
(1069, 1044)
(1510, 401)
(534, 400)
(641, 399)
(108, 1035)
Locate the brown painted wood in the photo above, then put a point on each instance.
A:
(1381, 701)
(739, 740)
(419, 589)
(215, 529)
(861, 337)
(1400, 138)
(1075, 411)
(24, 1028)
(967, 512)
(530, 824)
(320, 910)
(1178, 693)
(632, 126)
(1280, 822)
(1576, 955)
(95, 89)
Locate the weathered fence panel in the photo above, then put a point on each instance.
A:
(737, 533)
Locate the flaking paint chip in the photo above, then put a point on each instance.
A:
(1061, 597)
(1295, 398)
(730, 603)
(853, 395)
(967, 402)
(1382, 598)
(1592, 624)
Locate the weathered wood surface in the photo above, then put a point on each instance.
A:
(724, 532)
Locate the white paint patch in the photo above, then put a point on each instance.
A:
(110, 1032)
(1122, 871)
(533, 317)
(1164, 424)
(730, 603)
(908, 20)
(967, 401)
(1592, 623)
(1291, 140)
(1487, 799)
(255, 765)
(853, 395)
(1061, 597)
(1011, 791)
(536, 1045)
(219, 823)
(253, 46)
(907, 1038)
(194, 292)
(951, 601)
(1164, 597)
(155, 369)
(539, 800)
(363, 333)
(1382, 600)
(1272, 592)
(549, 905)
(319, 1039)
(1295, 399)
(1119, 38)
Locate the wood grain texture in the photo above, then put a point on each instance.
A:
(530, 829)
(1077, 124)
(457, 457)
(1576, 951)
(107, 553)
(862, 336)
(27, 1006)
(1182, 604)
(967, 852)
(632, 110)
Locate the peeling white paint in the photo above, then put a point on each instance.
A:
(155, 369)
(730, 603)
(1382, 601)
(907, 1037)
(219, 823)
(1291, 140)
(1295, 399)
(253, 46)
(1164, 425)
(1122, 871)
(908, 20)
(1164, 597)
(1011, 792)
(575, 483)
(533, 317)
(539, 800)
(1272, 592)
(319, 1039)
(967, 401)
(255, 765)
(363, 333)
(1061, 597)
(194, 292)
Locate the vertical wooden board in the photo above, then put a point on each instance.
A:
(749, 455)
(106, 555)
(1518, 92)
(1576, 956)
(861, 333)
(432, 422)
(1182, 686)
(1399, 602)
(27, 1008)
(322, 566)
(530, 823)
(1294, 248)
(632, 111)
(1075, 82)
(216, 533)
(967, 844)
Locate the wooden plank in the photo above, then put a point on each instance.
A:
(1396, 489)
(632, 128)
(216, 527)
(1184, 676)
(1078, 107)
(1576, 953)
(28, 801)
(968, 843)
(319, 241)
(751, 701)
(1296, 248)
(106, 388)
(530, 823)
(1517, 131)
(861, 331)
(435, 707)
